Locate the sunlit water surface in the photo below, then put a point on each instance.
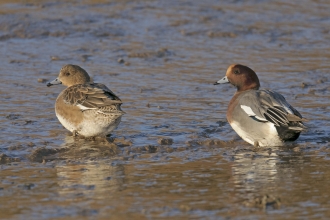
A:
(173, 51)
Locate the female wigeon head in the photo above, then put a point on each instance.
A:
(242, 77)
(71, 75)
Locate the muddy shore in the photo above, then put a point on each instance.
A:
(174, 154)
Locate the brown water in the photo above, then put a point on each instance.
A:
(173, 52)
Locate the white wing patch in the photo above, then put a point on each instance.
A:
(83, 108)
(250, 113)
(248, 110)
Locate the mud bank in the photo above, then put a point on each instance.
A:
(173, 155)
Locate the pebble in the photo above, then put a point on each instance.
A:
(165, 141)
(150, 148)
(41, 80)
(296, 149)
(121, 60)
(303, 85)
(54, 58)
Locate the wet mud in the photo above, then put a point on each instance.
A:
(173, 155)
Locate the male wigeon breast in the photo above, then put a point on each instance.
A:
(86, 108)
(261, 117)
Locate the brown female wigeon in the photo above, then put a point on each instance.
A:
(86, 108)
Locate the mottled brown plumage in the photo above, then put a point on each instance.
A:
(89, 109)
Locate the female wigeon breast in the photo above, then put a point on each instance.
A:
(261, 117)
(86, 108)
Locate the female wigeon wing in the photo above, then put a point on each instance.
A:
(90, 96)
(269, 106)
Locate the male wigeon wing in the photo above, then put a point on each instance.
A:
(269, 106)
(90, 96)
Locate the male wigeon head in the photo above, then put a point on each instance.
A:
(242, 77)
(71, 75)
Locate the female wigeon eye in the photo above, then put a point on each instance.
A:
(67, 74)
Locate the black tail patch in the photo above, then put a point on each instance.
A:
(287, 134)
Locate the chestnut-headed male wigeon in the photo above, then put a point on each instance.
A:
(261, 117)
(86, 108)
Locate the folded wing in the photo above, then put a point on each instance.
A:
(93, 96)
(269, 106)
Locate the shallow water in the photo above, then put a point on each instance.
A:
(173, 52)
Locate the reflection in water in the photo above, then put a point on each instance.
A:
(286, 175)
(196, 183)
(97, 181)
(255, 171)
(211, 185)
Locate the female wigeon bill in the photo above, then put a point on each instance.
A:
(85, 108)
(259, 116)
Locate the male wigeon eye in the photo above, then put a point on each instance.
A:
(236, 71)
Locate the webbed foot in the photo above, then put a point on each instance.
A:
(256, 144)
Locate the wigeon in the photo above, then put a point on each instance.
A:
(259, 116)
(85, 108)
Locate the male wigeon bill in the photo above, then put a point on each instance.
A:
(85, 108)
(259, 116)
